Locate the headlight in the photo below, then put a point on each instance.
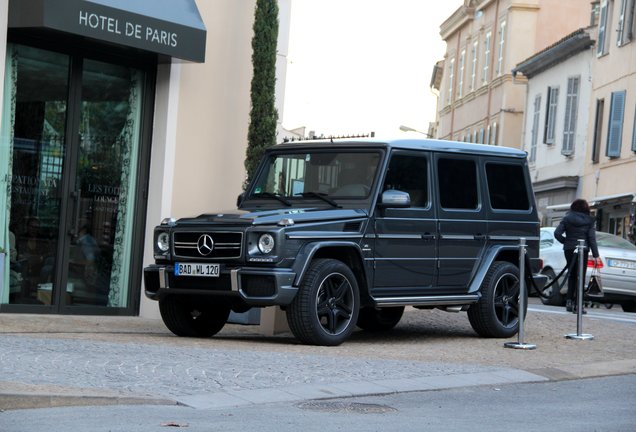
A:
(266, 243)
(163, 241)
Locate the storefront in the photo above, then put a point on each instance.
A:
(76, 136)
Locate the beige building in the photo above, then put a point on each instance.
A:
(478, 99)
(114, 115)
(609, 179)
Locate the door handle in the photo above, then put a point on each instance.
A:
(480, 236)
(74, 231)
(428, 236)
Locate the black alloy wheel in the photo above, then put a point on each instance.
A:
(325, 310)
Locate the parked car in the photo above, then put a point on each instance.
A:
(347, 233)
(618, 271)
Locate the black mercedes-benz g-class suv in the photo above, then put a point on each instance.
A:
(347, 233)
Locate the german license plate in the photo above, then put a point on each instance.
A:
(622, 264)
(196, 269)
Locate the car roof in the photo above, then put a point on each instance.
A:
(402, 143)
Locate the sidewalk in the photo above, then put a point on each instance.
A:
(50, 360)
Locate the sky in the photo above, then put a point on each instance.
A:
(360, 66)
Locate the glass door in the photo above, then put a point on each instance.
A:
(103, 185)
(32, 152)
(70, 196)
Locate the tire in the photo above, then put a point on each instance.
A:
(629, 306)
(379, 319)
(555, 298)
(496, 314)
(326, 307)
(193, 316)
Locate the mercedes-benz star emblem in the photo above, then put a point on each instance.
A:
(205, 245)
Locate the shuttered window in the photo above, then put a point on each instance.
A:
(535, 128)
(571, 112)
(602, 26)
(615, 132)
(634, 133)
(550, 114)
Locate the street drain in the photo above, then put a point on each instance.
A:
(346, 407)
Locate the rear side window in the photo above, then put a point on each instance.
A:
(507, 188)
(457, 179)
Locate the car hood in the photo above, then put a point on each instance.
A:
(273, 217)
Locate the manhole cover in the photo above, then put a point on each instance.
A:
(346, 407)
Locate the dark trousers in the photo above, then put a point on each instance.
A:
(574, 272)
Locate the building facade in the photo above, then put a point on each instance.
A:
(558, 94)
(609, 178)
(114, 115)
(478, 98)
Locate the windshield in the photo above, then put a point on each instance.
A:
(609, 240)
(318, 175)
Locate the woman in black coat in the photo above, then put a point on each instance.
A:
(576, 225)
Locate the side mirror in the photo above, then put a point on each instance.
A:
(395, 199)
(240, 199)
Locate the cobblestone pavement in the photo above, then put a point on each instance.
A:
(130, 357)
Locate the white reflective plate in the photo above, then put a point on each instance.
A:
(196, 269)
(622, 264)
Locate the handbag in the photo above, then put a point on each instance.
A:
(594, 287)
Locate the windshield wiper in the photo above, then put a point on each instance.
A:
(272, 195)
(321, 196)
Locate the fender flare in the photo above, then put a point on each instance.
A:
(308, 251)
(486, 262)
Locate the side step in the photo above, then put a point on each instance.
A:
(456, 300)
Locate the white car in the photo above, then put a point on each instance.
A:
(618, 272)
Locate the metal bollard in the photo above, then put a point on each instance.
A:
(579, 296)
(520, 344)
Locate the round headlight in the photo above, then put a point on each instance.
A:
(266, 243)
(163, 242)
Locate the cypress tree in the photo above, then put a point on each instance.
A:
(263, 114)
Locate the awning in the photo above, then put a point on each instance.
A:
(622, 198)
(169, 27)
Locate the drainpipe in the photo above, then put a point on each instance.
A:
(491, 66)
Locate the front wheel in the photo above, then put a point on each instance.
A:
(496, 314)
(193, 316)
(325, 310)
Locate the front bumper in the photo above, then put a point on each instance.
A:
(255, 286)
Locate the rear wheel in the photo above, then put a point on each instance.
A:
(496, 314)
(325, 310)
(553, 294)
(379, 319)
(193, 316)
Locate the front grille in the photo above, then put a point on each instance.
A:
(226, 245)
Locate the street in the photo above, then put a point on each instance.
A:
(600, 404)
(430, 373)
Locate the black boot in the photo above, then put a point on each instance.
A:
(568, 305)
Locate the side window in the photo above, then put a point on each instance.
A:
(409, 173)
(457, 180)
(507, 187)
